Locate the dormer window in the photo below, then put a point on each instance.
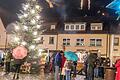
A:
(75, 26)
(82, 27)
(52, 27)
(67, 27)
(72, 27)
(96, 26)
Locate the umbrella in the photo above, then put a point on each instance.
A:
(19, 52)
(71, 55)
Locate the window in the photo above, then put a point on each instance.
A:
(77, 27)
(82, 27)
(93, 28)
(116, 41)
(79, 42)
(72, 27)
(98, 42)
(52, 27)
(96, 26)
(51, 40)
(115, 49)
(41, 40)
(66, 27)
(99, 28)
(95, 42)
(92, 42)
(66, 42)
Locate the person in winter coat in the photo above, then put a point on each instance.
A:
(57, 63)
(7, 62)
(18, 63)
(68, 66)
(117, 65)
(74, 68)
(63, 59)
(90, 66)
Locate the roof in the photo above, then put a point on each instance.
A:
(107, 24)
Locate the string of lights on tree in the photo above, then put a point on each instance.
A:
(116, 6)
(29, 27)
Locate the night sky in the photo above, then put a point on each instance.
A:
(9, 8)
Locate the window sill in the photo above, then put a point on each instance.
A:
(67, 45)
(94, 46)
(79, 46)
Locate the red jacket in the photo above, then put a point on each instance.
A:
(63, 61)
(117, 65)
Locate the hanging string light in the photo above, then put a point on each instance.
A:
(23, 43)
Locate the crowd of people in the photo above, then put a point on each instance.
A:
(61, 67)
(64, 69)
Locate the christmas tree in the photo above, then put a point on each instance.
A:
(28, 30)
(116, 6)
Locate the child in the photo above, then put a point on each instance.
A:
(67, 69)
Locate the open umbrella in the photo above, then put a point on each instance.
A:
(19, 52)
(71, 55)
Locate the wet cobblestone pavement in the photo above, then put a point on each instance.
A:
(34, 77)
(24, 77)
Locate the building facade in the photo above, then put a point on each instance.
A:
(2, 36)
(83, 36)
(80, 36)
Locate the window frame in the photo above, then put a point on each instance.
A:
(53, 40)
(95, 42)
(116, 44)
(52, 27)
(41, 40)
(96, 26)
(80, 43)
(79, 25)
(67, 42)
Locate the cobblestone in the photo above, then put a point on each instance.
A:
(35, 77)
(23, 77)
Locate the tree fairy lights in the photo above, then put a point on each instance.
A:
(29, 27)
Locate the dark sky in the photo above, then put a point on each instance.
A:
(9, 8)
